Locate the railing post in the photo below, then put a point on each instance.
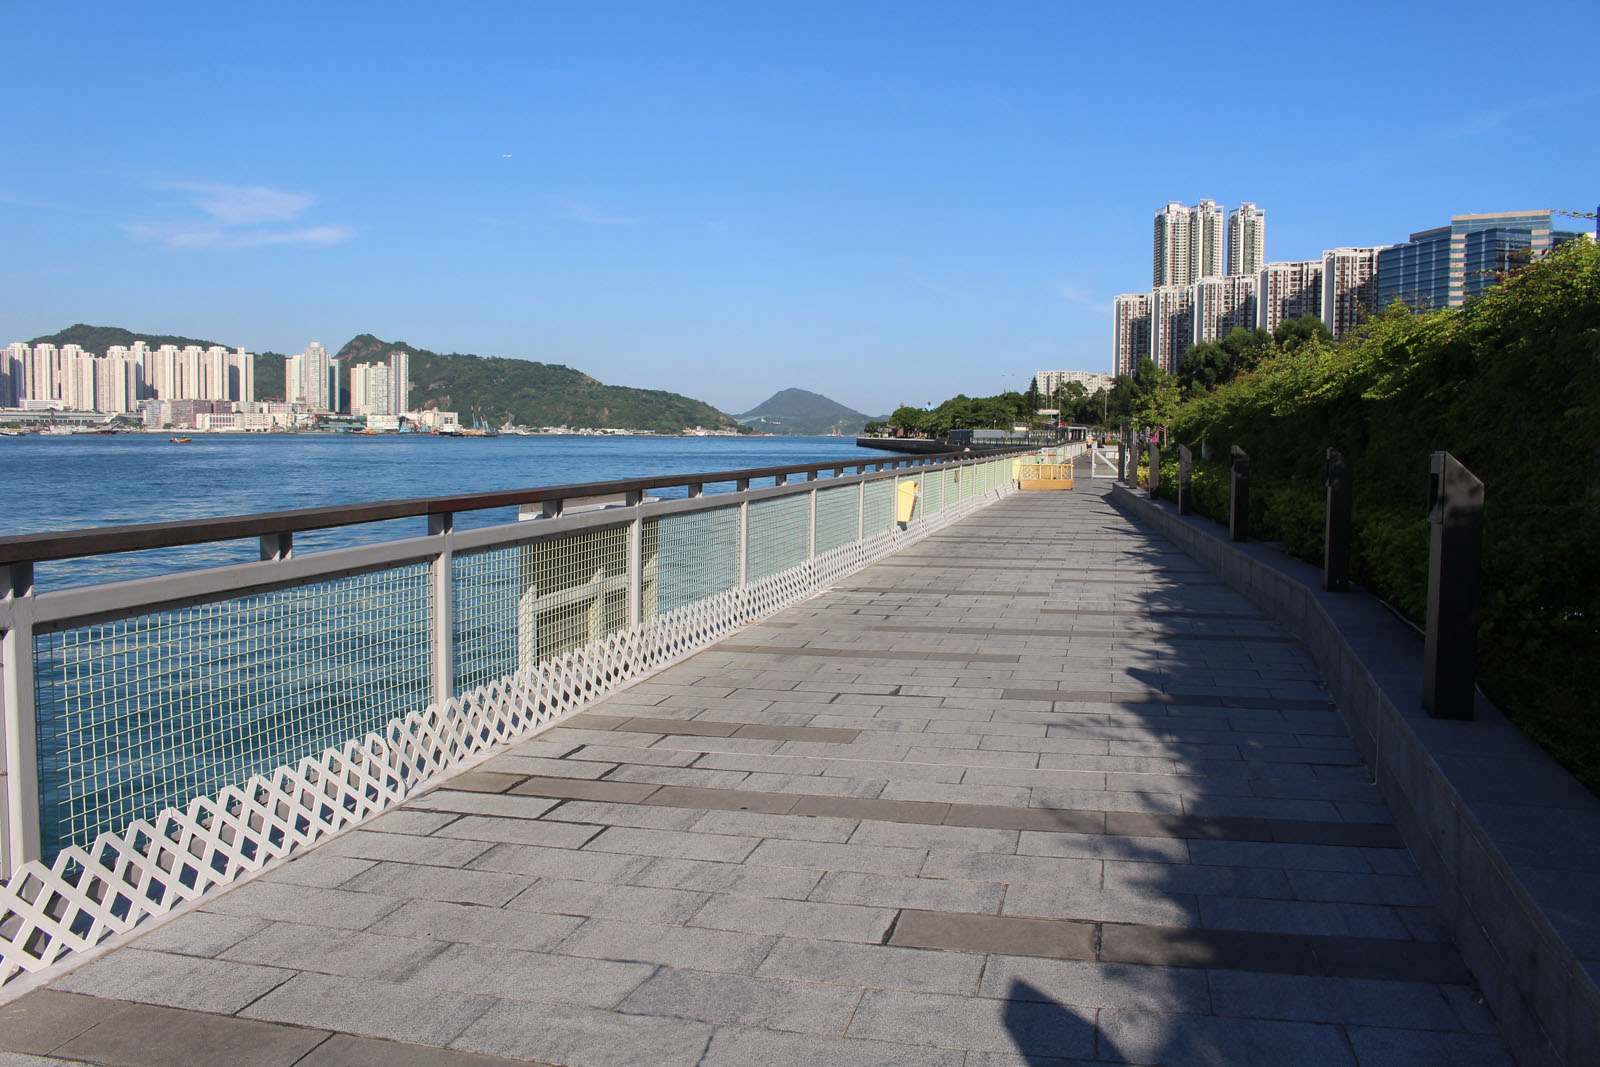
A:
(1336, 528)
(19, 792)
(1239, 495)
(811, 524)
(743, 486)
(861, 512)
(1455, 551)
(636, 562)
(1185, 480)
(443, 636)
(276, 547)
(1155, 467)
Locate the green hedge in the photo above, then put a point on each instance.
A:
(1510, 385)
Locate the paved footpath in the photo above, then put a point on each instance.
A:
(1037, 790)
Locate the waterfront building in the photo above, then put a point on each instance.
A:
(399, 381)
(1222, 305)
(370, 389)
(1349, 287)
(1288, 291)
(1445, 266)
(1131, 337)
(1247, 240)
(306, 378)
(1171, 324)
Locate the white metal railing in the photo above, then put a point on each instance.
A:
(165, 736)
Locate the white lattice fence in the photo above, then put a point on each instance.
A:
(87, 895)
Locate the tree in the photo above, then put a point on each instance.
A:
(1292, 333)
(909, 419)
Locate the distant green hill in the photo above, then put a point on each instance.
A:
(797, 411)
(499, 390)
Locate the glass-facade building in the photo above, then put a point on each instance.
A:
(1443, 267)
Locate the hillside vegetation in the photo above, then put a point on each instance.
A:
(1510, 385)
(798, 411)
(533, 394)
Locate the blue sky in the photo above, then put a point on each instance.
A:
(884, 202)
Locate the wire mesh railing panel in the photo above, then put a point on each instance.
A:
(518, 605)
(879, 507)
(144, 713)
(932, 493)
(779, 532)
(688, 558)
(838, 511)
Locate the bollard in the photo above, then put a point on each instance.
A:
(1185, 480)
(1239, 495)
(1336, 529)
(1125, 453)
(1455, 551)
(1155, 468)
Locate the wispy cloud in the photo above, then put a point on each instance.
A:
(1075, 292)
(238, 216)
(578, 211)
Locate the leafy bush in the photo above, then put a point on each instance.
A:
(1510, 384)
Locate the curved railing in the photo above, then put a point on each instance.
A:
(165, 735)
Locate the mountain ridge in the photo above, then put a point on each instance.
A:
(802, 412)
(497, 389)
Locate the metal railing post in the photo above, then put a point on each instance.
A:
(743, 486)
(636, 562)
(277, 546)
(1238, 495)
(811, 525)
(1155, 467)
(1185, 480)
(1455, 551)
(444, 612)
(1336, 526)
(20, 837)
(1123, 447)
(861, 512)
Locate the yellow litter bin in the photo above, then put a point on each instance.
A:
(906, 502)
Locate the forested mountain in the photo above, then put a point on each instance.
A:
(494, 389)
(798, 411)
(498, 390)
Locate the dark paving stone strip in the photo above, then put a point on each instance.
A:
(706, 728)
(1177, 946)
(123, 1033)
(1193, 700)
(903, 591)
(983, 816)
(1156, 613)
(850, 653)
(1163, 635)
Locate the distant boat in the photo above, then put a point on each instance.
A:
(180, 440)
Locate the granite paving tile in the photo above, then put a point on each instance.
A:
(743, 1000)
(873, 966)
(175, 981)
(388, 1010)
(515, 974)
(145, 1036)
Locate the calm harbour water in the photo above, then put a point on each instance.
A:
(56, 483)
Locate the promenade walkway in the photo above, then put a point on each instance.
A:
(1037, 790)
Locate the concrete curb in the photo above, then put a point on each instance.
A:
(1507, 842)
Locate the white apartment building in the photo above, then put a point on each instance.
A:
(1131, 335)
(1171, 324)
(1171, 246)
(399, 382)
(1047, 382)
(1247, 240)
(1349, 287)
(1223, 304)
(1288, 291)
(306, 379)
(370, 392)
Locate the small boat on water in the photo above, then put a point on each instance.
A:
(180, 440)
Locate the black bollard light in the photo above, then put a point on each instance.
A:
(1239, 495)
(1455, 553)
(1185, 480)
(1125, 454)
(1336, 528)
(1155, 467)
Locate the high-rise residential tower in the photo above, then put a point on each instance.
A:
(1288, 291)
(1222, 305)
(1349, 287)
(1247, 240)
(1171, 325)
(1207, 241)
(1131, 341)
(399, 382)
(1171, 257)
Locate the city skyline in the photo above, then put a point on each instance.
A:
(883, 206)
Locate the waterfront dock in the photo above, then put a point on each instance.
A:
(1038, 789)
